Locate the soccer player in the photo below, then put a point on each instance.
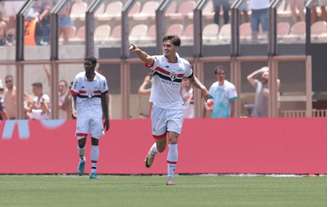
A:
(167, 103)
(90, 96)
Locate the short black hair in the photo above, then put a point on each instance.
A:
(175, 40)
(91, 59)
(218, 69)
(37, 84)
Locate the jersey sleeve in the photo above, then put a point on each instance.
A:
(104, 86)
(189, 72)
(75, 87)
(232, 93)
(155, 63)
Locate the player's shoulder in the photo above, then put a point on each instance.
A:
(100, 76)
(184, 61)
(229, 84)
(80, 75)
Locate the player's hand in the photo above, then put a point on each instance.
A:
(132, 47)
(106, 124)
(74, 115)
(204, 94)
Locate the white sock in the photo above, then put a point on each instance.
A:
(81, 153)
(172, 158)
(94, 157)
(153, 149)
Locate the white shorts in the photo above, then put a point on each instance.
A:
(89, 123)
(166, 120)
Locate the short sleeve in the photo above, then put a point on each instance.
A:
(188, 73)
(155, 63)
(104, 86)
(211, 92)
(75, 87)
(232, 93)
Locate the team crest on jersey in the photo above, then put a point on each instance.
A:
(173, 76)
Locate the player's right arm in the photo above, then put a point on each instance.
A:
(142, 55)
(74, 92)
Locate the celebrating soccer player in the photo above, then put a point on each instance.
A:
(167, 110)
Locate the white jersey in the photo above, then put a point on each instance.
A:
(166, 85)
(88, 93)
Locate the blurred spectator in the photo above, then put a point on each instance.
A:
(64, 100)
(3, 114)
(319, 14)
(244, 11)
(217, 6)
(222, 96)
(187, 93)
(144, 90)
(10, 97)
(260, 80)
(297, 7)
(42, 10)
(65, 22)
(260, 15)
(3, 28)
(39, 109)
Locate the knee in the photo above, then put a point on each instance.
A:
(82, 142)
(161, 147)
(94, 142)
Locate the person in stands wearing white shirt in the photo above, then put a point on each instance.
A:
(167, 102)
(260, 16)
(40, 107)
(187, 93)
(90, 101)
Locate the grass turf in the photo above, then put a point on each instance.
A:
(151, 191)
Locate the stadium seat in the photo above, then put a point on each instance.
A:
(185, 10)
(175, 29)
(319, 31)
(116, 33)
(102, 33)
(319, 28)
(135, 9)
(282, 29)
(208, 11)
(210, 32)
(78, 9)
(100, 10)
(138, 32)
(245, 31)
(172, 8)
(225, 33)
(113, 11)
(148, 11)
(297, 31)
(151, 34)
(284, 9)
(188, 33)
(79, 35)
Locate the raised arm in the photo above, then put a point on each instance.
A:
(251, 77)
(142, 55)
(195, 82)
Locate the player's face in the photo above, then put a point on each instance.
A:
(168, 48)
(265, 76)
(9, 83)
(220, 76)
(61, 87)
(89, 70)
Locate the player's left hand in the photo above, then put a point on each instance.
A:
(106, 124)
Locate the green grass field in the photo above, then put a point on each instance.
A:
(150, 191)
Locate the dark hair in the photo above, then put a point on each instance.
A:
(175, 40)
(218, 69)
(37, 84)
(91, 59)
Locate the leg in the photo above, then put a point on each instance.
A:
(82, 138)
(226, 8)
(158, 146)
(172, 156)
(94, 157)
(174, 126)
(254, 24)
(216, 8)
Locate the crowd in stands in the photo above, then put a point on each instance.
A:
(142, 27)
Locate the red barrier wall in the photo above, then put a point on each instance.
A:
(205, 146)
